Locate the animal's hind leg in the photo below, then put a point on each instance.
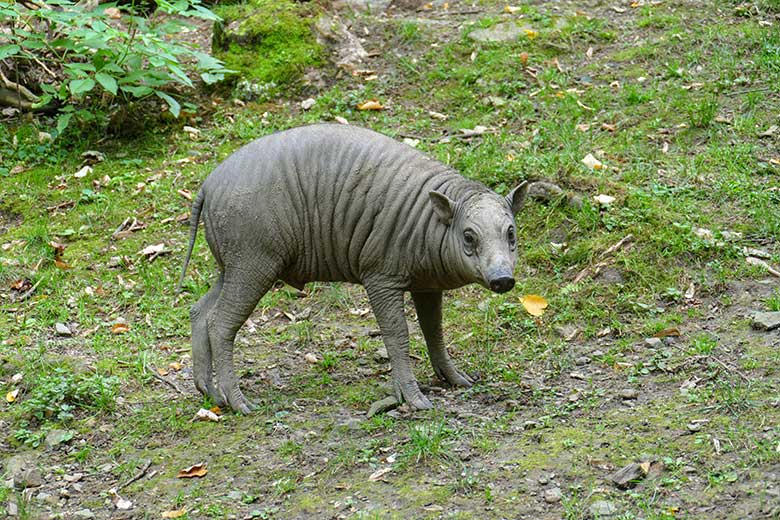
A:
(241, 291)
(202, 367)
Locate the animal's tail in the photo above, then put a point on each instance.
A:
(197, 205)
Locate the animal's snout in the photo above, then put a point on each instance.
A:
(502, 284)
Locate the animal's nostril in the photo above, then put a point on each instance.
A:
(502, 284)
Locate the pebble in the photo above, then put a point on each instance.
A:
(597, 353)
(306, 104)
(653, 342)
(553, 495)
(543, 480)
(602, 508)
(235, 495)
(62, 330)
(582, 360)
(28, 478)
(766, 320)
(381, 355)
(84, 513)
(56, 437)
(629, 393)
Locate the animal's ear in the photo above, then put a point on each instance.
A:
(516, 197)
(443, 206)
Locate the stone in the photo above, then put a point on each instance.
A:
(306, 104)
(610, 275)
(62, 330)
(553, 495)
(582, 360)
(629, 393)
(346, 46)
(501, 32)
(56, 437)
(653, 342)
(766, 320)
(28, 478)
(235, 495)
(381, 355)
(85, 514)
(602, 509)
(628, 476)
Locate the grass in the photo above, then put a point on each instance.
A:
(671, 99)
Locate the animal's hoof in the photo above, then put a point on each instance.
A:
(390, 402)
(419, 402)
(240, 404)
(460, 379)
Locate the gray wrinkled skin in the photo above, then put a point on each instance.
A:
(341, 203)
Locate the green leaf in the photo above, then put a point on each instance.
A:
(173, 105)
(8, 50)
(63, 121)
(137, 90)
(107, 82)
(81, 86)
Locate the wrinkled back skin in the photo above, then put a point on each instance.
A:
(333, 203)
(340, 203)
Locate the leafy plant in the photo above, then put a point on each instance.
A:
(108, 56)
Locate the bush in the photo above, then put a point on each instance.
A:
(99, 58)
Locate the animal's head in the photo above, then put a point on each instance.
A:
(481, 235)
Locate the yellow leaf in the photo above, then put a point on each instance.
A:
(531, 33)
(511, 9)
(534, 304)
(175, 365)
(11, 396)
(162, 371)
(119, 328)
(198, 470)
(371, 104)
(176, 513)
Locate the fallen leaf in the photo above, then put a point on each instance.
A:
(61, 265)
(162, 371)
(690, 292)
(83, 172)
(534, 304)
(530, 33)
(371, 104)
(176, 513)
(591, 162)
(187, 194)
(511, 9)
(604, 200)
(198, 470)
(59, 249)
(216, 409)
(120, 328)
(524, 59)
(175, 365)
(381, 472)
(10, 397)
(113, 13)
(667, 333)
(206, 415)
(341, 120)
(769, 132)
(437, 115)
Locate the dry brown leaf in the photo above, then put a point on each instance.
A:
(371, 104)
(113, 13)
(524, 59)
(175, 365)
(10, 397)
(198, 470)
(176, 513)
(119, 328)
(668, 332)
(162, 371)
(381, 472)
(187, 194)
(61, 265)
(534, 304)
(216, 409)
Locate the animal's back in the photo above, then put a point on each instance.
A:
(333, 201)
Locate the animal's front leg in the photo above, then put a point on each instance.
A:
(428, 305)
(388, 306)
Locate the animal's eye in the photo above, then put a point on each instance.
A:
(469, 241)
(510, 236)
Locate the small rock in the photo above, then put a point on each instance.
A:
(694, 427)
(602, 508)
(387, 404)
(766, 320)
(306, 104)
(28, 478)
(553, 495)
(653, 342)
(381, 355)
(610, 275)
(582, 360)
(43, 497)
(628, 476)
(543, 480)
(311, 358)
(567, 331)
(597, 353)
(62, 330)
(56, 437)
(629, 393)
(84, 513)
(235, 495)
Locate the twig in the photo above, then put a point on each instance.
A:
(137, 476)
(623, 241)
(169, 383)
(593, 270)
(30, 291)
(748, 91)
(61, 205)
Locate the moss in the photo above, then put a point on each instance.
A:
(268, 41)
